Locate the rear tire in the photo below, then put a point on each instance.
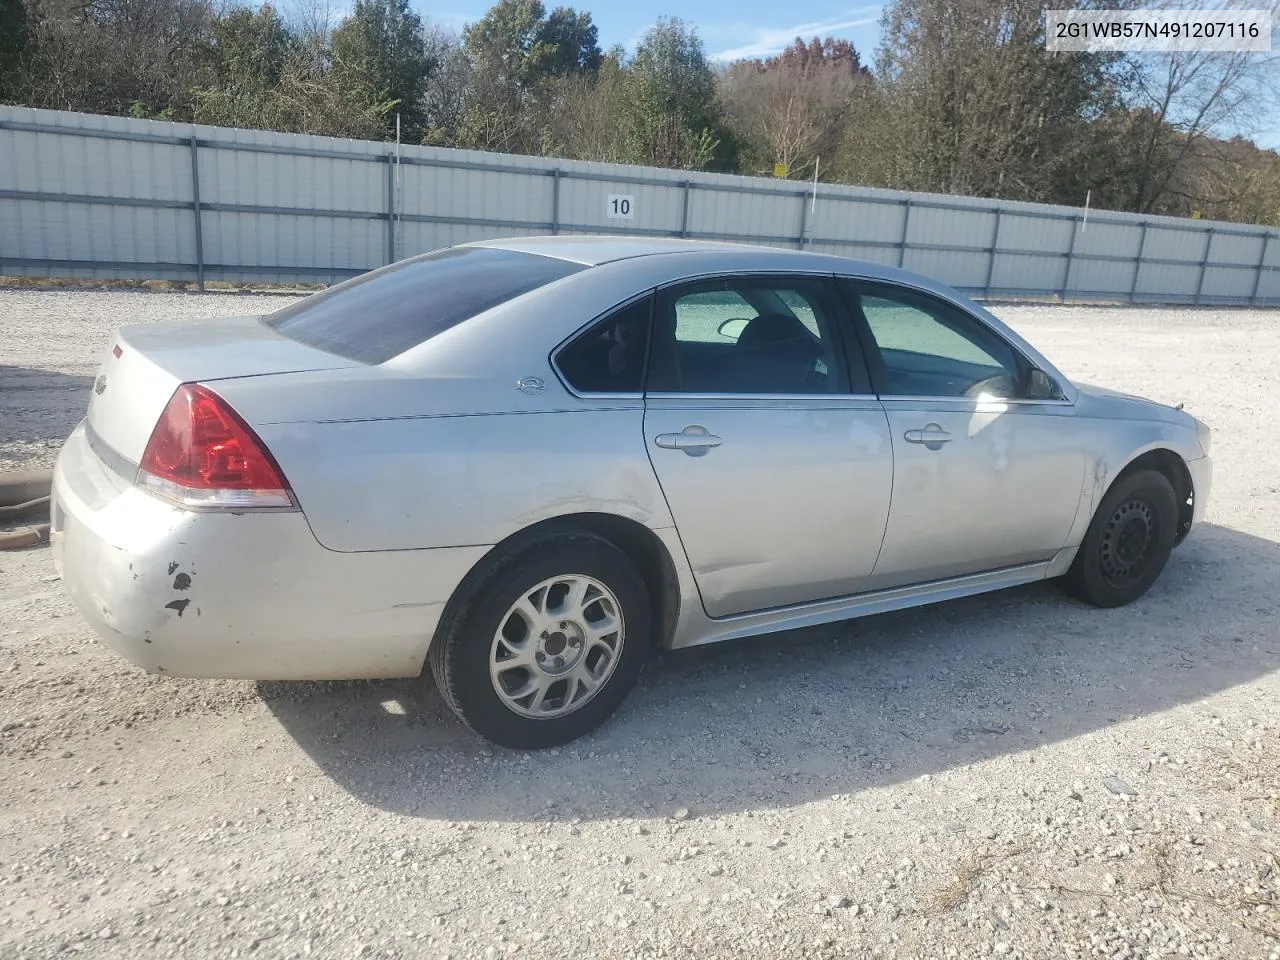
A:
(548, 644)
(1128, 542)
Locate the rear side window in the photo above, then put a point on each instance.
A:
(381, 314)
(610, 356)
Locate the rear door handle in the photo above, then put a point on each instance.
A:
(695, 440)
(932, 436)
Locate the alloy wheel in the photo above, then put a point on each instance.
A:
(556, 646)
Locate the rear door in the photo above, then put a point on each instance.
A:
(984, 477)
(775, 462)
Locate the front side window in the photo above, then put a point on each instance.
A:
(929, 348)
(609, 356)
(744, 336)
(381, 314)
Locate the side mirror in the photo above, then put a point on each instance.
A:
(1041, 386)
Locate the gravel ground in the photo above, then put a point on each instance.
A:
(1013, 775)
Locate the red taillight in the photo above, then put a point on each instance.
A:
(202, 454)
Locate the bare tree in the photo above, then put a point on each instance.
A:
(447, 88)
(1227, 180)
(791, 109)
(310, 20)
(1183, 103)
(584, 120)
(114, 56)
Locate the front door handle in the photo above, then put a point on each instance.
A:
(932, 436)
(695, 440)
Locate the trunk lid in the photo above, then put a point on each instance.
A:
(146, 363)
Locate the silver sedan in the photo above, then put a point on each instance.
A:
(527, 463)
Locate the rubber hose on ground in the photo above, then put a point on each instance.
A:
(22, 486)
(21, 509)
(25, 537)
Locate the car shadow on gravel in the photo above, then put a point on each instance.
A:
(40, 406)
(793, 717)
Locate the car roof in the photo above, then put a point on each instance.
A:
(594, 250)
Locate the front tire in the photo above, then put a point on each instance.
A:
(1128, 542)
(548, 644)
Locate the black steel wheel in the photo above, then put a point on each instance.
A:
(1128, 542)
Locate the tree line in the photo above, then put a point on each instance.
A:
(964, 98)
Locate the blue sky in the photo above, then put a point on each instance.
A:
(731, 29)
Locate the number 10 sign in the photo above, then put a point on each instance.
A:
(620, 206)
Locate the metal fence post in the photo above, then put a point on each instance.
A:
(1262, 262)
(195, 209)
(906, 224)
(1137, 264)
(1204, 263)
(991, 255)
(1071, 249)
(555, 201)
(804, 218)
(391, 208)
(684, 212)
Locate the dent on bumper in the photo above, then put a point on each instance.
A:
(250, 596)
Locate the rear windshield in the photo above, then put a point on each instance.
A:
(381, 314)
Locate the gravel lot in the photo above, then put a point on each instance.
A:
(1014, 775)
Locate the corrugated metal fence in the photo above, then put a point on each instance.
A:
(111, 197)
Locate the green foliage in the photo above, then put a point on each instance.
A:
(381, 64)
(994, 113)
(140, 111)
(267, 75)
(965, 98)
(249, 53)
(13, 41)
(518, 44)
(569, 43)
(671, 117)
(516, 54)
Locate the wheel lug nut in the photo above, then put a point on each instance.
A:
(559, 661)
(541, 656)
(575, 642)
(564, 626)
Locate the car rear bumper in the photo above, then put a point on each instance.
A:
(251, 596)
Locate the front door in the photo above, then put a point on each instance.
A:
(983, 477)
(777, 473)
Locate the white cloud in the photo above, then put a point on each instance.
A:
(768, 41)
